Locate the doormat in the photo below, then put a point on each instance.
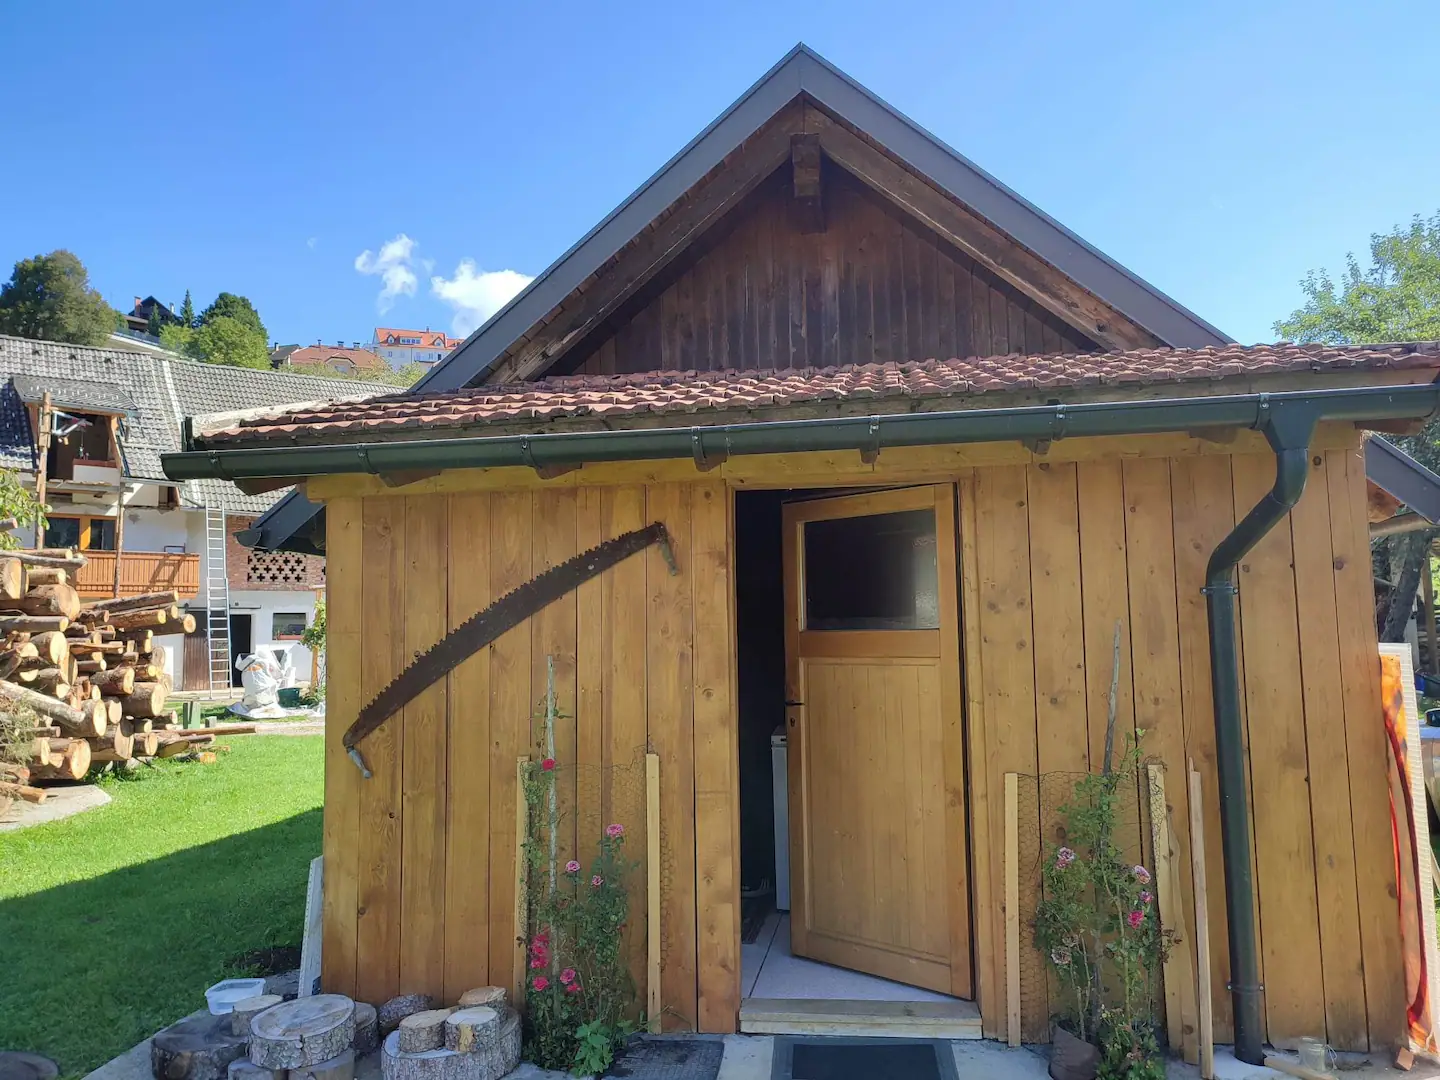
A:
(669, 1059)
(862, 1059)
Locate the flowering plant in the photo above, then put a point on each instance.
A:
(580, 995)
(1097, 927)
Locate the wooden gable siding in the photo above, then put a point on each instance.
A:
(420, 858)
(873, 287)
(1060, 552)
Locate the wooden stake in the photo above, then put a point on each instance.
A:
(1202, 925)
(1179, 1028)
(522, 815)
(1012, 908)
(652, 892)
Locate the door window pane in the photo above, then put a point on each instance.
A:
(872, 573)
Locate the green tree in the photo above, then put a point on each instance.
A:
(410, 374)
(230, 306)
(49, 297)
(18, 502)
(1395, 298)
(225, 340)
(178, 338)
(187, 312)
(155, 323)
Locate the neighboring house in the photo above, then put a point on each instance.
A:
(138, 317)
(919, 450)
(112, 413)
(339, 359)
(400, 347)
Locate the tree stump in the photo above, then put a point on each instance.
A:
(246, 1009)
(432, 1064)
(367, 1029)
(483, 995)
(245, 1069)
(423, 1030)
(397, 1008)
(199, 1048)
(302, 1032)
(340, 1067)
(477, 1028)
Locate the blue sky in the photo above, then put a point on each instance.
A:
(1219, 149)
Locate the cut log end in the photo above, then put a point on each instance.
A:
(423, 1030)
(306, 1031)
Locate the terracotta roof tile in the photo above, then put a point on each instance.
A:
(693, 392)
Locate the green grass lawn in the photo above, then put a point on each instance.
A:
(113, 922)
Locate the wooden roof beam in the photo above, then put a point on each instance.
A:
(978, 239)
(639, 263)
(805, 166)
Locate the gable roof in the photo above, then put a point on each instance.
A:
(804, 74)
(322, 355)
(154, 391)
(429, 339)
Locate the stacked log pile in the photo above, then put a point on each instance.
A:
(92, 674)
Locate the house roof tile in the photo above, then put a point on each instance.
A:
(687, 393)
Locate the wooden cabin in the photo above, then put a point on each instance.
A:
(918, 450)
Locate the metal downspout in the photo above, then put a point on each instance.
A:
(1288, 430)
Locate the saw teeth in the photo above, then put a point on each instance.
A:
(589, 563)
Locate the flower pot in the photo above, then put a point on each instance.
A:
(1072, 1058)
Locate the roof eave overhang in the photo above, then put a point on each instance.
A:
(802, 71)
(872, 433)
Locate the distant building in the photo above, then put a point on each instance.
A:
(138, 317)
(355, 360)
(400, 347)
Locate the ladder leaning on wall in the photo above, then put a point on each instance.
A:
(217, 601)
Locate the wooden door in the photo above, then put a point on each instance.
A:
(877, 788)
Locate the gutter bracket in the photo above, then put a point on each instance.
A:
(219, 466)
(363, 454)
(703, 461)
(544, 472)
(870, 448)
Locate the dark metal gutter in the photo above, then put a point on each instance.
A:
(1287, 419)
(713, 444)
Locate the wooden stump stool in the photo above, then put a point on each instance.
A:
(423, 1030)
(367, 1030)
(302, 1032)
(397, 1008)
(477, 1028)
(199, 1048)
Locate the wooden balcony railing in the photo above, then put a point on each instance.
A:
(140, 572)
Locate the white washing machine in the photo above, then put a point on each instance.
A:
(780, 766)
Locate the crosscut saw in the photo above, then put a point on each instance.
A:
(504, 614)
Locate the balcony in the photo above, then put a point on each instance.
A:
(140, 572)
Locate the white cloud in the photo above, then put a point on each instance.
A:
(477, 294)
(310, 243)
(395, 267)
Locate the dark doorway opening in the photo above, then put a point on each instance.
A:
(241, 642)
(760, 648)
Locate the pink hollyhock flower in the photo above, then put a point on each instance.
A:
(572, 867)
(567, 976)
(1141, 874)
(543, 937)
(541, 983)
(1064, 857)
(1135, 918)
(537, 962)
(612, 831)
(1145, 897)
(548, 764)
(597, 881)
(573, 988)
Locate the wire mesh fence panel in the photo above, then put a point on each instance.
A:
(592, 838)
(1047, 804)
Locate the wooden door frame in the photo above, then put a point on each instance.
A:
(945, 648)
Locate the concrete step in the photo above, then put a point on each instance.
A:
(869, 1019)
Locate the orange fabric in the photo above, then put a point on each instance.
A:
(1420, 1010)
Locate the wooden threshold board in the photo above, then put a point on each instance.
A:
(869, 1019)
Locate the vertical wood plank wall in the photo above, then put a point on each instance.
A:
(1046, 613)
(420, 859)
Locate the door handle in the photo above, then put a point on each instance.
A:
(793, 704)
